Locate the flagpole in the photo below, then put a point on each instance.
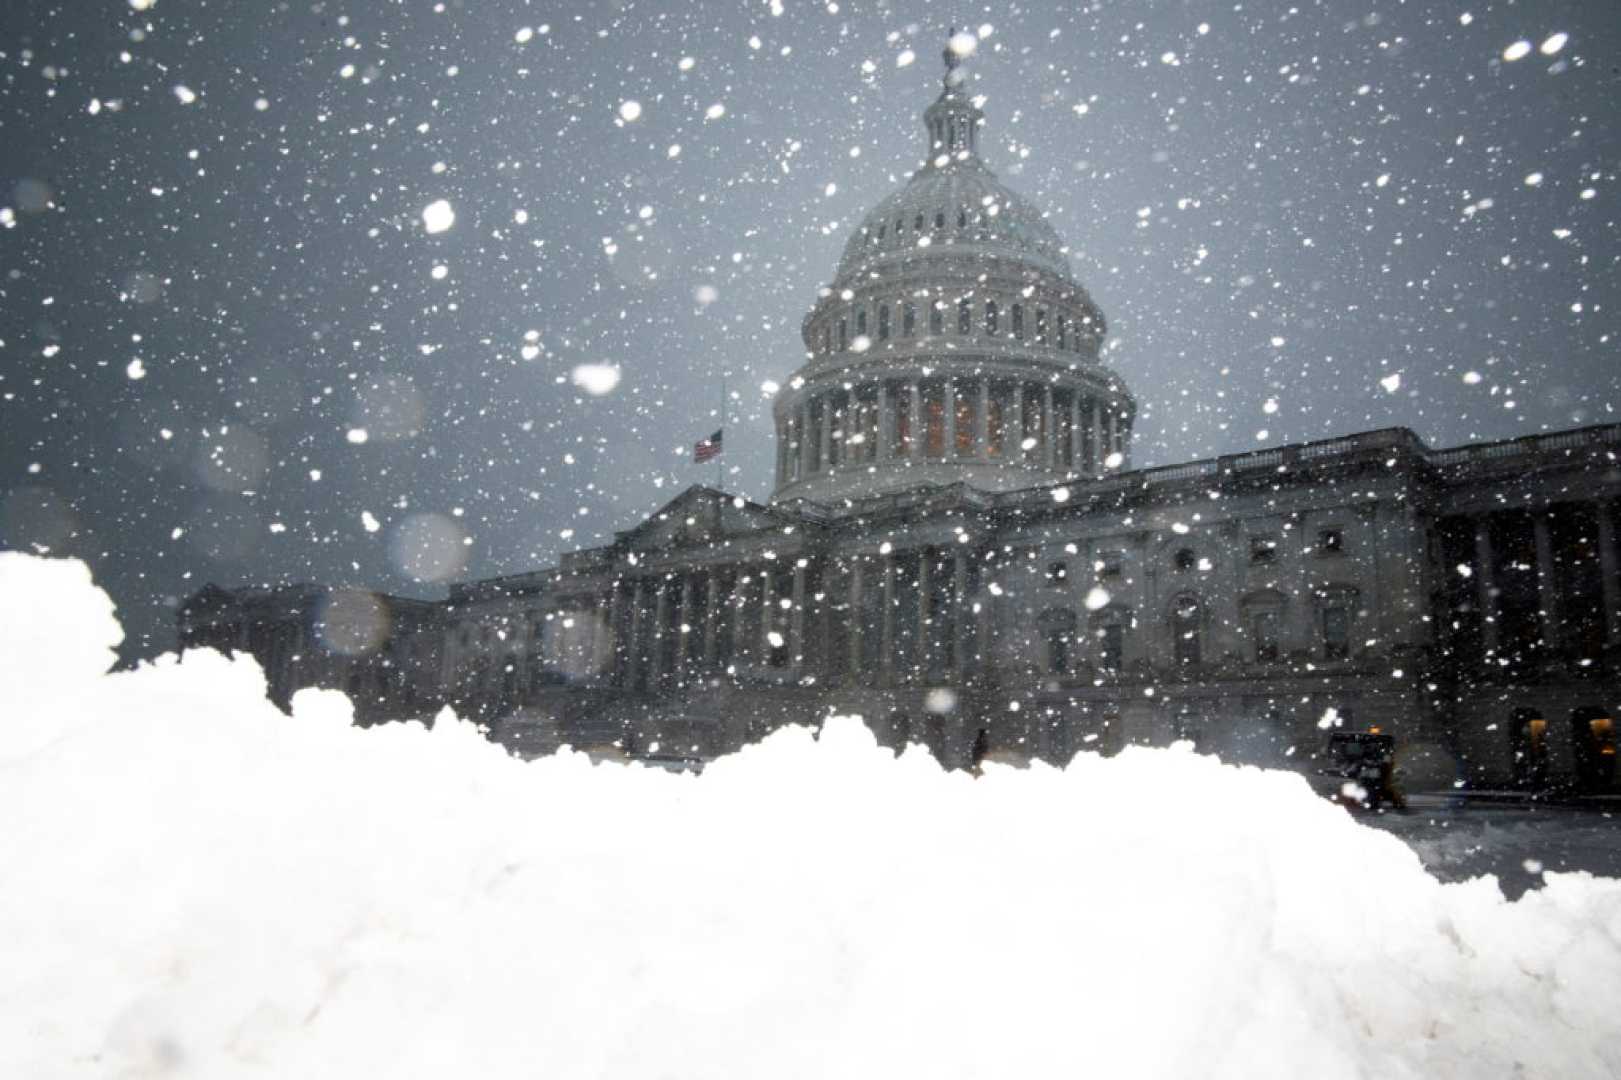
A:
(722, 428)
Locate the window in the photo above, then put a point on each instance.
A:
(827, 339)
(1041, 326)
(1336, 632)
(1057, 627)
(1263, 549)
(1057, 574)
(844, 335)
(1264, 630)
(934, 419)
(1018, 321)
(1108, 565)
(962, 217)
(940, 219)
(1185, 629)
(966, 400)
(1111, 646)
(881, 229)
(908, 318)
(937, 317)
(965, 316)
(1185, 560)
(991, 314)
(861, 321)
(883, 322)
(1063, 328)
(917, 223)
(1331, 542)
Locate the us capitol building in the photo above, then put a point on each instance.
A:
(958, 549)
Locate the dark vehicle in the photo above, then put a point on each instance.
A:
(1365, 764)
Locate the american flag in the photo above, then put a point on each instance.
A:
(707, 449)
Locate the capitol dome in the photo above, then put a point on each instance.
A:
(954, 344)
(957, 205)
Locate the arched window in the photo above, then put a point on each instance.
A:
(1186, 629)
(1018, 321)
(917, 222)
(937, 317)
(1184, 560)
(939, 219)
(881, 229)
(883, 322)
(861, 321)
(991, 314)
(908, 318)
(962, 217)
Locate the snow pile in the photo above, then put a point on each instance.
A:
(193, 885)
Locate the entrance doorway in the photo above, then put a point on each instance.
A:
(1528, 740)
(1593, 732)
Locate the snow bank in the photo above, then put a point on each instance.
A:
(192, 884)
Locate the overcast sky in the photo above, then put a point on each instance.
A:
(215, 271)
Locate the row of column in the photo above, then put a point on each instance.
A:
(665, 635)
(1551, 603)
(950, 419)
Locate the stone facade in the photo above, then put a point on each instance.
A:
(959, 550)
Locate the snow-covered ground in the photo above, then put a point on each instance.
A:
(192, 884)
(1516, 842)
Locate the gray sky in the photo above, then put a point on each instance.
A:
(1278, 207)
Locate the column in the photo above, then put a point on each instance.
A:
(1112, 424)
(961, 626)
(796, 637)
(617, 617)
(1611, 572)
(1547, 590)
(1077, 449)
(661, 612)
(1098, 453)
(1013, 429)
(856, 627)
(915, 407)
(886, 652)
(638, 600)
(1048, 451)
(1485, 584)
(923, 611)
(948, 398)
(886, 423)
(711, 616)
(688, 581)
(982, 437)
(824, 435)
(766, 601)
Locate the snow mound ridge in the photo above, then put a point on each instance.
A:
(194, 885)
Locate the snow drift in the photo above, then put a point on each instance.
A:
(192, 884)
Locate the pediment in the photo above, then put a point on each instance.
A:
(699, 515)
